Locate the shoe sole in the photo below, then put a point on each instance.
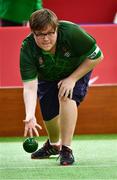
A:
(66, 163)
(40, 157)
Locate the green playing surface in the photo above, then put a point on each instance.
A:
(95, 155)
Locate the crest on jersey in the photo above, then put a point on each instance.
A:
(66, 52)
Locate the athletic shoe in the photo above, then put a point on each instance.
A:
(46, 151)
(66, 156)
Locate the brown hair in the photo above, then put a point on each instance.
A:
(40, 19)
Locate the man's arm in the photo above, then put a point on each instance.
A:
(30, 100)
(66, 85)
(85, 67)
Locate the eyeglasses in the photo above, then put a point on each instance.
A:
(43, 35)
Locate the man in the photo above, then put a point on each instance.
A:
(56, 60)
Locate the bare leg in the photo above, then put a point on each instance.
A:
(52, 147)
(68, 118)
(53, 129)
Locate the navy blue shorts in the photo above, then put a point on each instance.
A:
(48, 95)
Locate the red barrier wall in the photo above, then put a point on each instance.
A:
(10, 42)
(83, 11)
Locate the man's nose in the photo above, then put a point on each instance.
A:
(46, 37)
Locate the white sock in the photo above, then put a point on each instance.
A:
(55, 143)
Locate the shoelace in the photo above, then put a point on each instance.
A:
(45, 147)
(65, 154)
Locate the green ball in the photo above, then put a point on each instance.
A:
(30, 145)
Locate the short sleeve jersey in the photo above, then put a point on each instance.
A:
(74, 45)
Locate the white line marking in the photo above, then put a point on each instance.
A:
(91, 81)
(58, 166)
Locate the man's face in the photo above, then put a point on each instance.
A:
(46, 39)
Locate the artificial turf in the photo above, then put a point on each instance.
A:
(95, 155)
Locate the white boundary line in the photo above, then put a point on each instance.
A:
(19, 87)
(103, 85)
(58, 166)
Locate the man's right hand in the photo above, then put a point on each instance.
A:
(31, 127)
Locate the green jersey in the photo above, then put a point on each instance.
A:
(74, 45)
(18, 10)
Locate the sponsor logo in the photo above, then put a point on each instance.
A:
(93, 55)
(41, 60)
